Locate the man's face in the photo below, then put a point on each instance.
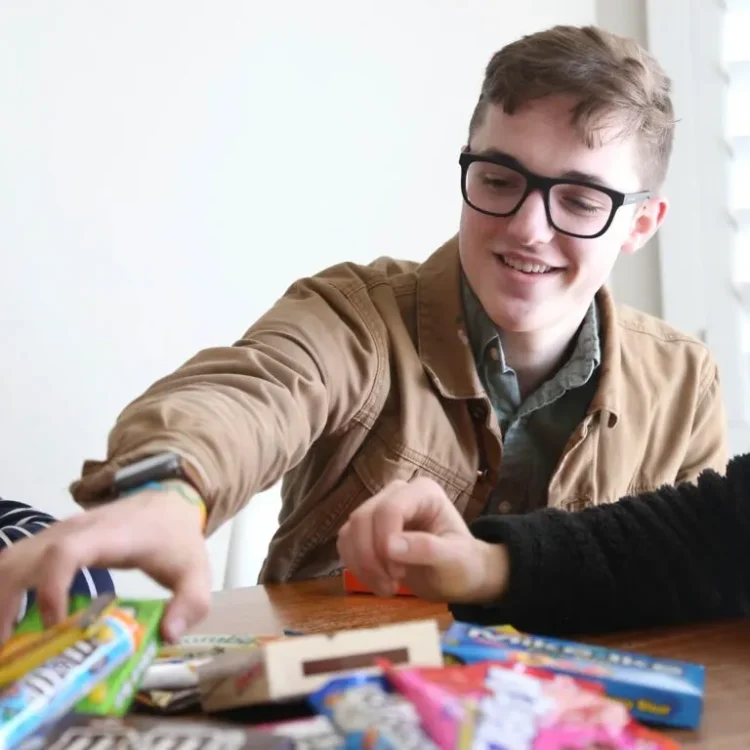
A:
(540, 138)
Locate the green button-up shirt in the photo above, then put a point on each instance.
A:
(534, 430)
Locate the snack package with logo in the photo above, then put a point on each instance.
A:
(49, 691)
(79, 732)
(657, 691)
(496, 705)
(369, 715)
(115, 694)
(31, 644)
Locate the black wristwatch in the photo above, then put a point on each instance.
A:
(155, 468)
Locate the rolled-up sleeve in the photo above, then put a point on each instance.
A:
(19, 521)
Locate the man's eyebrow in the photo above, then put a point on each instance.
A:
(574, 174)
(570, 174)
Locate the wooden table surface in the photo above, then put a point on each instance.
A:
(321, 606)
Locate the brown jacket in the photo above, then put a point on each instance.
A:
(363, 374)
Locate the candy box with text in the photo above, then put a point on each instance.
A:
(656, 691)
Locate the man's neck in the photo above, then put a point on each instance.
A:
(536, 356)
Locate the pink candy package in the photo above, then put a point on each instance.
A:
(495, 704)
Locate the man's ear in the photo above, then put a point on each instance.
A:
(647, 220)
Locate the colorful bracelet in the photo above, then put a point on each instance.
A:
(184, 489)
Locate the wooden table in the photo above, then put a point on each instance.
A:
(321, 606)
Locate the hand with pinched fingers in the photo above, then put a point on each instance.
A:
(155, 531)
(410, 533)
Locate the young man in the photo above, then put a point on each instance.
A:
(673, 556)
(500, 367)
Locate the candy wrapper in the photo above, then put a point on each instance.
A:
(206, 646)
(369, 715)
(168, 701)
(31, 644)
(353, 585)
(656, 691)
(50, 690)
(114, 695)
(495, 705)
(78, 732)
(310, 733)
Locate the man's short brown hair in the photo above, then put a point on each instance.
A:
(613, 79)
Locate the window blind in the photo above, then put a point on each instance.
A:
(736, 56)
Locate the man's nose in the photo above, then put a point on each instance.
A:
(529, 225)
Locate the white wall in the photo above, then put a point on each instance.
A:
(168, 168)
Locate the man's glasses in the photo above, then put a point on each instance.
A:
(498, 186)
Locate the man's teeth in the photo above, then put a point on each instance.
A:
(525, 267)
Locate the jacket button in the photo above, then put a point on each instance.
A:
(504, 508)
(477, 410)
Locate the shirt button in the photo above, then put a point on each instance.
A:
(504, 507)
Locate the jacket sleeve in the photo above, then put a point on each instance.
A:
(708, 448)
(241, 416)
(19, 521)
(674, 556)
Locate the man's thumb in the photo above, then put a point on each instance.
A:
(190, 604)
(421, 548)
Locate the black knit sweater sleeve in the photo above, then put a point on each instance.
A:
(678, 555)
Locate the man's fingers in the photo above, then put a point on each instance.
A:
(422, 548)
(9, 616)
(191, 601)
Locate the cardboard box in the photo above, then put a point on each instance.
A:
(656, 691)
(293, 668)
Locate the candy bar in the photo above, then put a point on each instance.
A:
(657, 691)
(32, 644)
(51, 689)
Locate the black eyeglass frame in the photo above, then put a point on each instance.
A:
(545, 184)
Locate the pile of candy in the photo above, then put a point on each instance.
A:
(394, 687)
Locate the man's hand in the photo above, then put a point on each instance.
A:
(157, 531)
(411, 533)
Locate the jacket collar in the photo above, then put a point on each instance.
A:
(445, 347)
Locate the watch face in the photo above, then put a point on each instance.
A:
(151, 469)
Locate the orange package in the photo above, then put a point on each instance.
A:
(352, 585)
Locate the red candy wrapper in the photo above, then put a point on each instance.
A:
(493, 704)
(352, 585)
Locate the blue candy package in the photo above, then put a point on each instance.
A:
(368, 714)
(656, 691)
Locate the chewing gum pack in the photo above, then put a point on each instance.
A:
(292, 668)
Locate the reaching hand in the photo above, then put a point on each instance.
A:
(157, 531)
(411, 533)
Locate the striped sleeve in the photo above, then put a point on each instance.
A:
(19, 521)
